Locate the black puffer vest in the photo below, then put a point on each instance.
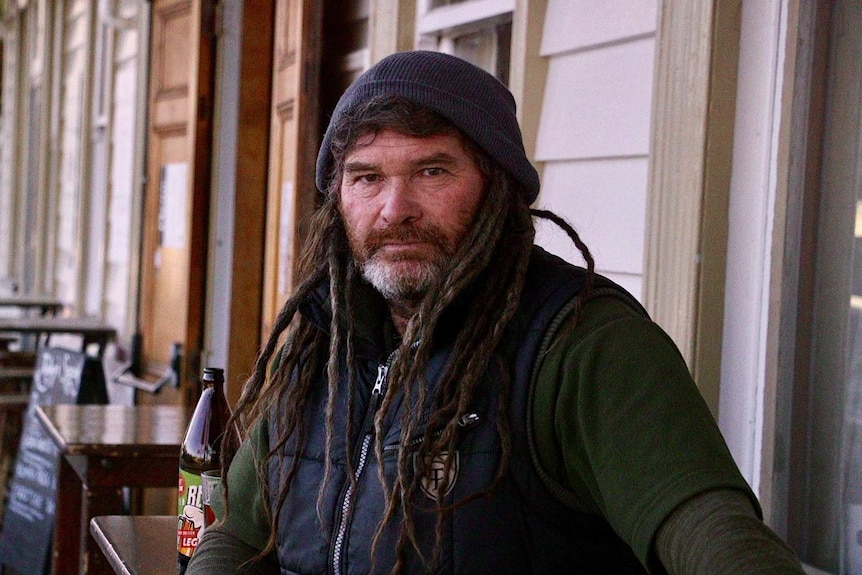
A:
(520, 528)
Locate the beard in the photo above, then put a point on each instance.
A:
(422, 256)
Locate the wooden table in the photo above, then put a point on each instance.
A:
(44, 305)
(91, 331)
(143, 545)
(104, 448)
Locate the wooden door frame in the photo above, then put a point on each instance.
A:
(250, 192)
(202, 144)
(689, 183)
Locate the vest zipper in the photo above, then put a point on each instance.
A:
(467, 421)
(368, 433)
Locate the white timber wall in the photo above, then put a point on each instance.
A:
(593, 139)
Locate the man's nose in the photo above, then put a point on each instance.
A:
(400, 204)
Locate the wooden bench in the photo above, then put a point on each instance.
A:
(12, 407)
(17, 358)
(16, 373)
(5, 340)
(15, 380)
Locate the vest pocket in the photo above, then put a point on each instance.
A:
(468, 422)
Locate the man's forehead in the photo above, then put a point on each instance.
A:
(385, 140)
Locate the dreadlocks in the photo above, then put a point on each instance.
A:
(486, 274)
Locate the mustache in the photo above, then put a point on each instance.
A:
(405, 234)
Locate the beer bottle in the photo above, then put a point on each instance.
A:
(200, 451)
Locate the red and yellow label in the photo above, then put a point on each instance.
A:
(190, 512)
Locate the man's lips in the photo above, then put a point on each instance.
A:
(396, 245)
(401, 247)
(404, 243)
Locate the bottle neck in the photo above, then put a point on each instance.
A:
(215, 389)
(214, 385)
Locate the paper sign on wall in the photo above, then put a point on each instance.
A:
(173, 190)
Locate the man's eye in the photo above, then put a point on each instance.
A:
(368, 178)
(433, 171)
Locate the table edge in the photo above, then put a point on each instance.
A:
(159, 450)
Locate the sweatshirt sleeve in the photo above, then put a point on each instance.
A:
(242, 532)
(719, 532)
(619, 423)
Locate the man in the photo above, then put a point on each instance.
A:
(449, 397)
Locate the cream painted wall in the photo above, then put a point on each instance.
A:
(593, 137)
(220, 264)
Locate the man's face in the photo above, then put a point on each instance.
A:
(407, 204)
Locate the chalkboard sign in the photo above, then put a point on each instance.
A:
(60, 376)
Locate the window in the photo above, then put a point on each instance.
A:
(479, 31)
(826, 489)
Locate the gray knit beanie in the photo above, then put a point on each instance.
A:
(472, 99)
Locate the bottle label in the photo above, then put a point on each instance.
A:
(190, 512)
